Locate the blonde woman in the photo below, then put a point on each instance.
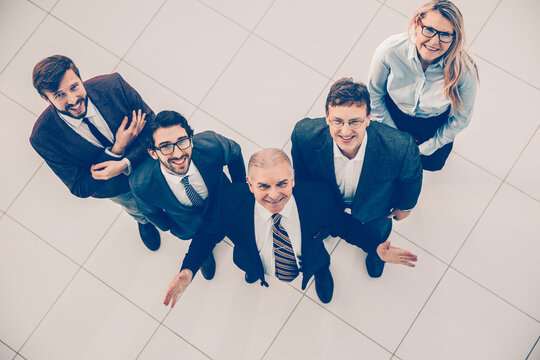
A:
(424, 82)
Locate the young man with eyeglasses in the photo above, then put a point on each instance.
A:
(373, 169)
(89, 134)
(176, 186)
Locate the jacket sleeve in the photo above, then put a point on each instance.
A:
(207, 236)
(78, 179)
(232, 157)
(300, 170)
(409, 182)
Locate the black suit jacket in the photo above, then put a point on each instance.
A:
(391, 176)
(70, 156)
(211, 152)
(233, 216)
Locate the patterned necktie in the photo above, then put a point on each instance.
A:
(191, 193)
(286, 268)
(98, 135)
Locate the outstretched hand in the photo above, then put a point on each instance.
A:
(177, 286)
(124, 136)
(394, 255)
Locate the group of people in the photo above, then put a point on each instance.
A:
(351, 173)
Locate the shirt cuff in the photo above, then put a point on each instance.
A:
(428, 147)
(110, 153)
(127, 171)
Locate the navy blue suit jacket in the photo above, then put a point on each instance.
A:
(233, 216)
(211, 152)
(391, 176)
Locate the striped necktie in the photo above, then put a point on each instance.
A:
(191, 193)
(97, 134)
(286, 268)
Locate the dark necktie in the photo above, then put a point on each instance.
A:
(286, 268)
(97, 134)
(191, 193)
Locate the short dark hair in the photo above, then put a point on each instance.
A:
(164, 119)
(346, 92)
(49, 72)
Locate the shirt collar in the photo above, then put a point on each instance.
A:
(175, 179)
(265, 214)
(90, 112)
(412, 53)
(359, 154)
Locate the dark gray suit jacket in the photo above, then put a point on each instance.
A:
(70, 155)
(157, 202)
(391, 176)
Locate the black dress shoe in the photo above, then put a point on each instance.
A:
(150, 236)
(374, 265)
(250, 279)
(208, 268)
(324, 284)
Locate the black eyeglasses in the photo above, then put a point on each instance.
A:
(181, 144)
(353, 124)
(430, 32)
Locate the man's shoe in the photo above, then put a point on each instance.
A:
(324, 284)
(374, 265)
(250, 279)
(208, 268)
(150, 236)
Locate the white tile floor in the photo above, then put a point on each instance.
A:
(71, 289)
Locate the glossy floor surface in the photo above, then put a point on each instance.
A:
(77, 283)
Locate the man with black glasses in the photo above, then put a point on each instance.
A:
(176, 186)
(373, 169)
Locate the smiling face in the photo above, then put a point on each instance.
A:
(347, 139)
(272, 186)
(431, 49)
(176, 163)
(70, 97)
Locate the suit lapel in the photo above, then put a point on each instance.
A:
(248, 229)
(106, 109)
(325, 156)
(370, 168)
(68, 136)
(163, 187)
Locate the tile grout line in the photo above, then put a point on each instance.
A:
(521, 152)
(282, 326)
(27, 39)
(140, 34)
(506, 71)
(303, 294)
(356, 41)
(25, 185)
(532, 349)
(65, 287)
(484, 24)
(250, 34)
(419, 312)
(449, 266)
(495, 294)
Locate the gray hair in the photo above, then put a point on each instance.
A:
(266, 158)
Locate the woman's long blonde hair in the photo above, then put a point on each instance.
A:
(455, 59)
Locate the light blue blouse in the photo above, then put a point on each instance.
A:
(396, 69)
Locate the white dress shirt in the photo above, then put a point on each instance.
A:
(178, 189)
(94, 116)
(264, 236)
(396, 70)
(348, 170)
